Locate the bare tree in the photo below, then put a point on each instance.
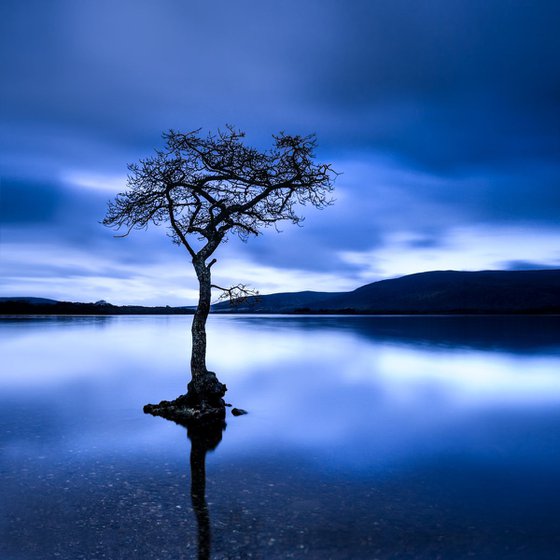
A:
(208, 187)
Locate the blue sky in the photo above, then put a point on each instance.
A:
(442, 115)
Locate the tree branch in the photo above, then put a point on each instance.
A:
(237, 294)
(176, 227)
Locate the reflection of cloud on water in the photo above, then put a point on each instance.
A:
(494, 333)
(319, 387)
(47, 351)
(401, 372)
(473, 378)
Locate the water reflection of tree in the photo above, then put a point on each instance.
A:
(203, 438)
(205, 433)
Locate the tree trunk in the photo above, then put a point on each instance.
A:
(204, 387)
(198, 328)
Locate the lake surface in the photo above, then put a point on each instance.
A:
(367, 437)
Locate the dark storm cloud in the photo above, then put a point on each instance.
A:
(447, 83)
(440, 83)
(51, 206)
(424, 243)
(28, 201)
(67, 216)
(124, 72)
(498, 194)
(527, 265)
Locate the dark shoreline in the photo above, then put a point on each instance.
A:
(6, 313)
(14, 307)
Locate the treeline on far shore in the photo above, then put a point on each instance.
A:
(14, 307)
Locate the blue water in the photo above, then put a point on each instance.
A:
(367, 437)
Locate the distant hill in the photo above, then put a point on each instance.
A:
(530, 291)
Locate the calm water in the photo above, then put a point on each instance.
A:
(366, 438)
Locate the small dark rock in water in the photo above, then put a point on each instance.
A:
(238, 411)
(228, 404)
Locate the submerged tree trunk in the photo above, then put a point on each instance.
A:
(204, 387)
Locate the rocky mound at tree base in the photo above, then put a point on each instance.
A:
(183, 411)
(202, 404)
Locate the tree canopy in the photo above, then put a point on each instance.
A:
(215, 185)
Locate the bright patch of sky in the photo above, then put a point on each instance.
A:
(483, 248)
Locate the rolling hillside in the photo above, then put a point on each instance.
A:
(532, 291)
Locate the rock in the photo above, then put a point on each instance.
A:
(238, 411)
(182, 412)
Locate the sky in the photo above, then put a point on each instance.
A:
(442, 116)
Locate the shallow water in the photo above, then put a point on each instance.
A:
(367, 437)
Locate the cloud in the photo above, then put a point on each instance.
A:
(529, 265)
(438, 83)
(68, 273)
(25, 202)
(465, 248)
